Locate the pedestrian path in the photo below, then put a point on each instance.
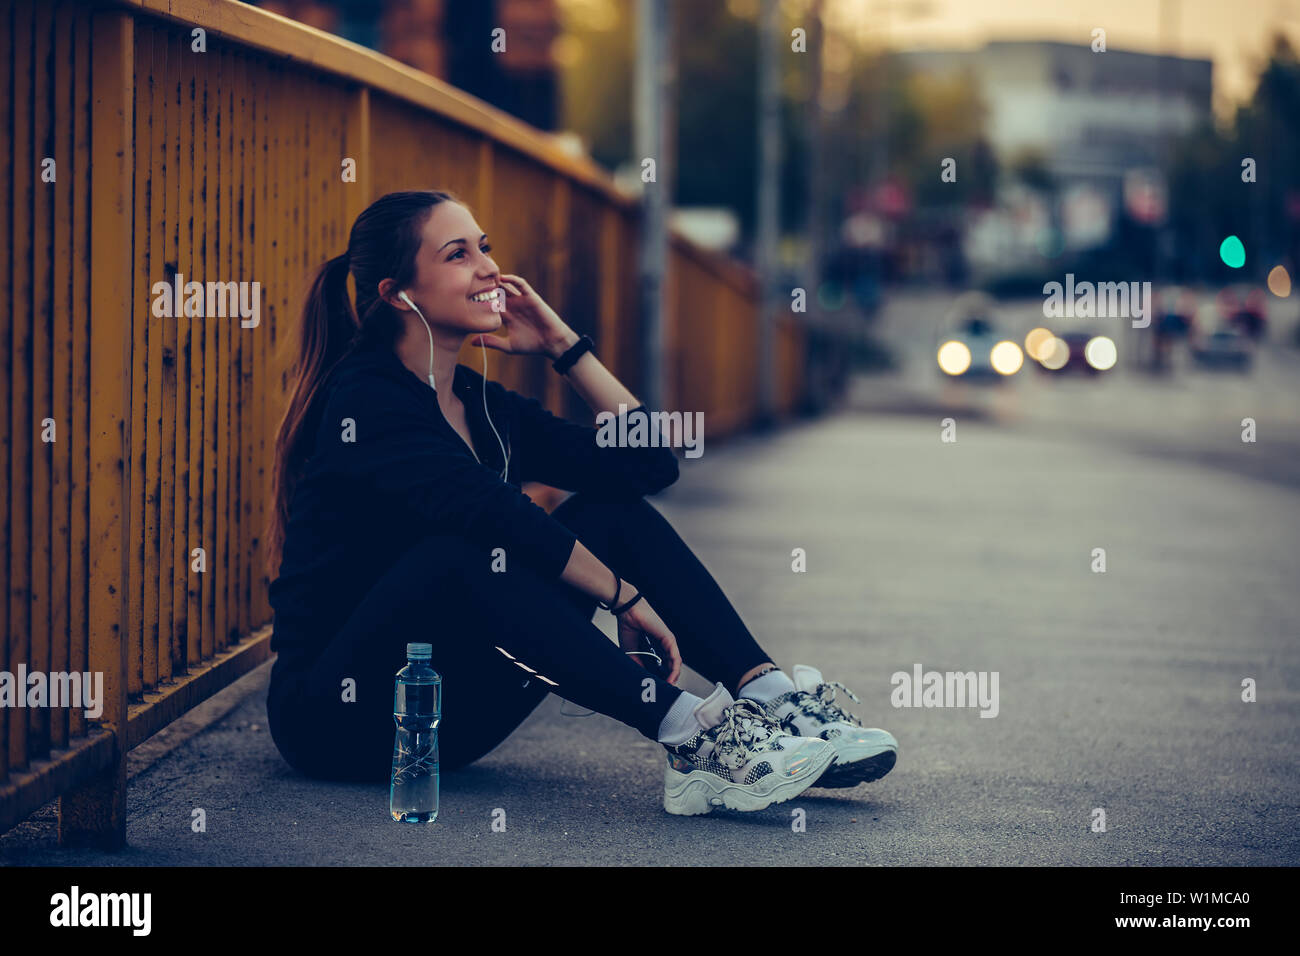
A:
(1118, 691)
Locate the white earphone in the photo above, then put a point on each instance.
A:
(505, 453)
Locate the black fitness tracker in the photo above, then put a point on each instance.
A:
(572, 354)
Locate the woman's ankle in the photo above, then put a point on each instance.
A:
(749, 675)
(679, 724)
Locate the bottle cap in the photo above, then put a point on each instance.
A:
(419, 652)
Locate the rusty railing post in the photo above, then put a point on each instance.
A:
(94, 813)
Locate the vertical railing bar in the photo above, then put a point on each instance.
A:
(138, 453)
(42, 319)
(252, 263)
(229, 632)
(263, 216)
(80, 427)
(160, 232)
(178, 94)
(148, 132)
(191, 100)
(219, 271)
(8, 247)
(204, 267)
(20, 424)
(61, 304)
(95, 811)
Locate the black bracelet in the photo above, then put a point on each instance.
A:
(618, 589)
(620, 610)
(572, 354)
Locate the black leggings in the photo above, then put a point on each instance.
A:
(443, 591)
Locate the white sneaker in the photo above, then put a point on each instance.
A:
(740, 759)
(861, 753)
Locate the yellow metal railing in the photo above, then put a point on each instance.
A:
(133, 440)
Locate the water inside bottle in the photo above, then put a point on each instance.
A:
(413, 795)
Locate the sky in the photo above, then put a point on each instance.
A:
(1232, 33)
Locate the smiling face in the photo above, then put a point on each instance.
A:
(452, 266)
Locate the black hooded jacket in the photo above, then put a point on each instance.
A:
(387, 468)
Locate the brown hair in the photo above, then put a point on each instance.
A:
(382, 244)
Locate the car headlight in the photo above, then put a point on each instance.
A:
(1054, 354)
(1037, 343)
(954, 357)
(1006, 358)
(1100, 353)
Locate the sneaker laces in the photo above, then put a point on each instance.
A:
(821, 703)
(745, 726)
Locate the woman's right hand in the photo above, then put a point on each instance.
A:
(640, 619)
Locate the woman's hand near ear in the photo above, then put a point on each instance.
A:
(532, 327)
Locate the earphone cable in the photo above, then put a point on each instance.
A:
(504, 453)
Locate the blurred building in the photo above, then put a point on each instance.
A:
(1092, 116)
(1096, 127)
(453, 40)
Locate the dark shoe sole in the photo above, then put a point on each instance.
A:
(840, 775)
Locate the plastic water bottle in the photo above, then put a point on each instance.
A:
(417, 708)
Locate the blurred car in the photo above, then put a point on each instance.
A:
(1078, 350)
(974, 350)
(1243, 308)
(1226, 348)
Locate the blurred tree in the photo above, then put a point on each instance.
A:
(950, 117)
(717, 128)
(1268, 129)
(925, 119)
(596, 58)
(1208, 198)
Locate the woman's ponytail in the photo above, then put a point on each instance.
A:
(382, 244)
(327, 328)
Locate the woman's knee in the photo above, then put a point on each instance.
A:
(583, 501)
